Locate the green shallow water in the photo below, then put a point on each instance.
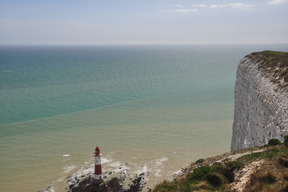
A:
(134, 138)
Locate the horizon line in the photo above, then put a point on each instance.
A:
(143, 44)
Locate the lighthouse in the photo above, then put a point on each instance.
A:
(98, 170)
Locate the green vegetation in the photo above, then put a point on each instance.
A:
(199, 174)
(274, 64)
(273, 142)
(286, 140)
(271, 176)
(200, 161)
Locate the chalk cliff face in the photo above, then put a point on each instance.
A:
(261, 100)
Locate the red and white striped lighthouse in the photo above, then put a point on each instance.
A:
(98, 170)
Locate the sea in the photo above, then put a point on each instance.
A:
(150, 108)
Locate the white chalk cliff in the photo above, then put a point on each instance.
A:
(261, 100)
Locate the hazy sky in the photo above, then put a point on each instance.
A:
(143, 21)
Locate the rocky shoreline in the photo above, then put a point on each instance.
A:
(118, 180)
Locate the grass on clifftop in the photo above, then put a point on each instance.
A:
(272, 175)
(273, 63)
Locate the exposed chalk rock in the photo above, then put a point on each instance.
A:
(261, 100)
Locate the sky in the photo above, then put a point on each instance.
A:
(94, 22)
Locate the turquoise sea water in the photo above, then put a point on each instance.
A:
(151, 108)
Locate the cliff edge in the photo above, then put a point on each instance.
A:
(261, 99)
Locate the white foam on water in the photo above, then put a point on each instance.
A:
(157, 172)
(105, 160)
(75, 177)
(69, 168)
(115, 164)
(158, 166)
(159, 162)
(115, 167)
(50, 189)
(177, 173)
(60, 179)
(143, 169)
(85, 171)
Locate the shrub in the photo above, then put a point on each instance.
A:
(223, 170)
(200, 161)
(201, 186)
(227, 169)
(263, 176)
(166, 186)
(283, 161)
(184, 187)
(270, 178)
(273, 142)
(286, 140)
(199, 174)
(234, 165)
(214, 179)
(262, 180)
